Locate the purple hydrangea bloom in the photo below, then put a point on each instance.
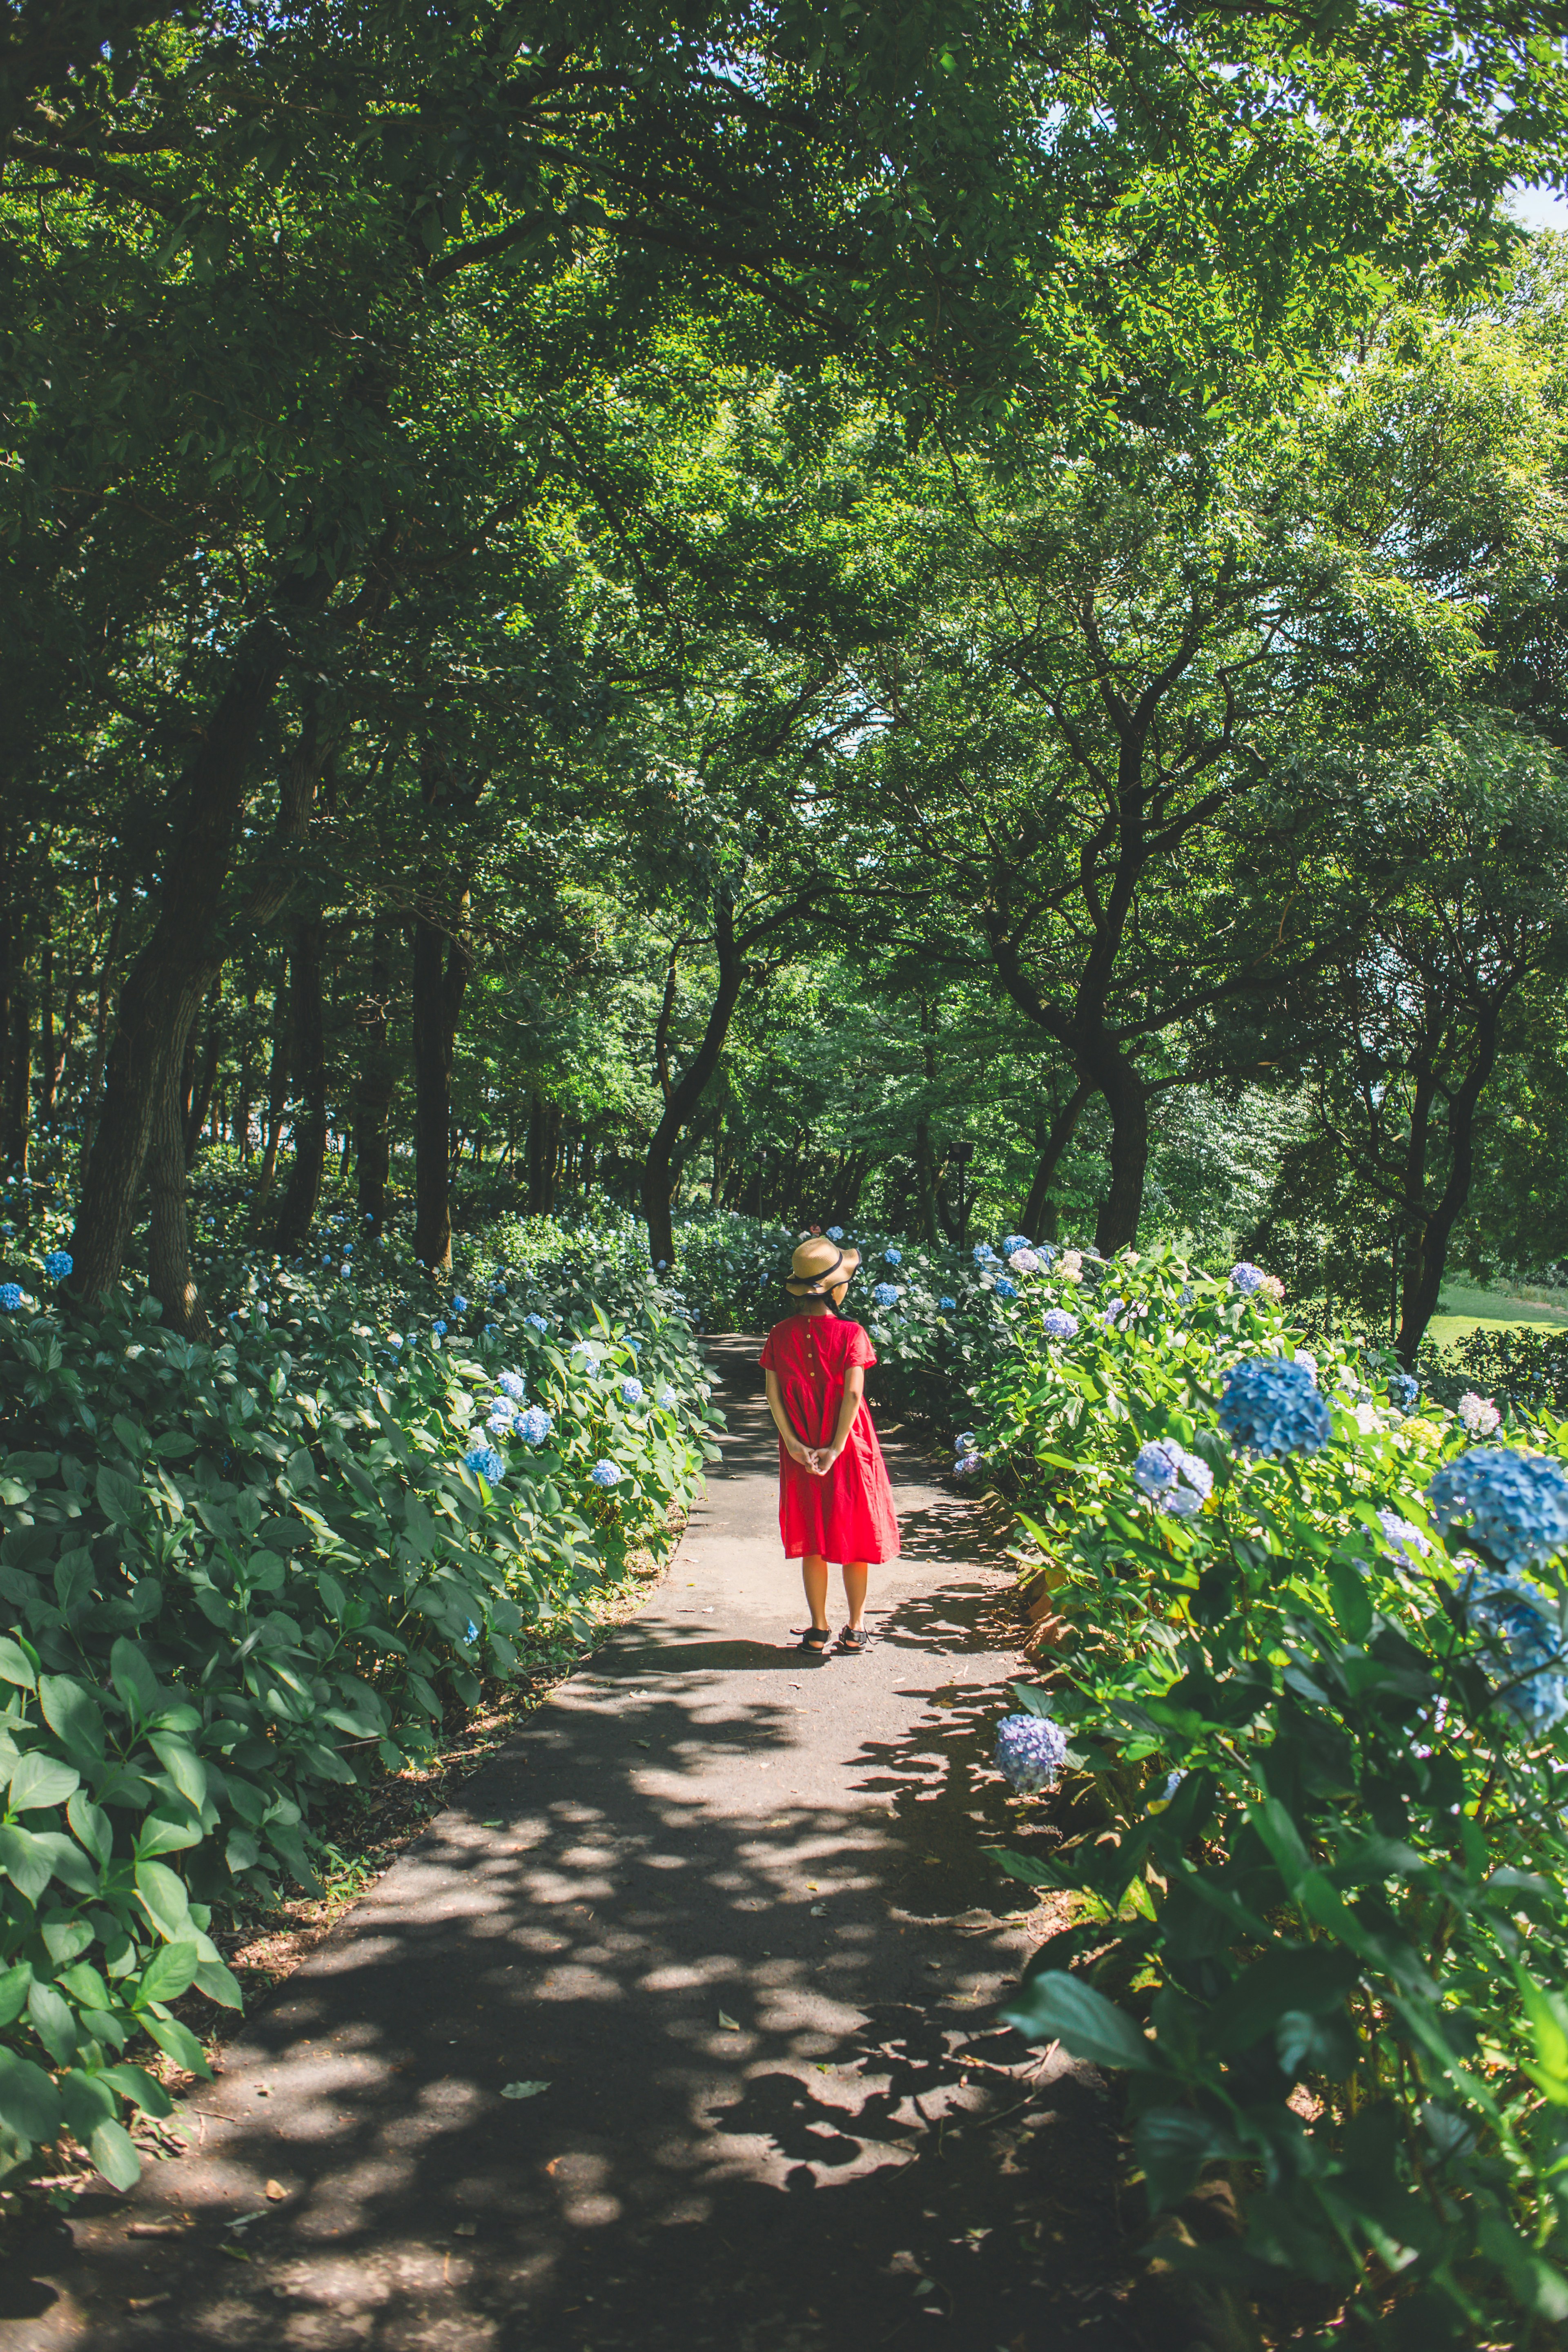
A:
(1246, 1279)
(967, 1463)
(1024, 1260)
(1272, 1406)
(1057, 1324)
(1409, 1541)
(1029, 1752)
(1514, 1503)
(1479, 1414)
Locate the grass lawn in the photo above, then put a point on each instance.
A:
(1463, 1308)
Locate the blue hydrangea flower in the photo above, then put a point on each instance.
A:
(1173, 1781)
(486, 1463)
(885, 1293)
(892, 1258)
(1006, 1289)
(967, 1463)
(1029, 1752)
(982, 1253)
(1514, 1503)
(667, 1399)
(1272, 1406)
(1523, 1648)
(1246, 1279)
(835, 1233)
(1012, 1242)
(1403, 1389)
(946, 1306)
(459, 1306)
(1409, 1541)
(631, 1391)
(501, 1416)
(1057, 1324)
(394, 1339)
(537, 1322)
(512, 1385)
(533, 1426)
(57, 1264)
(499, 1275)
(1046, 1252)
(605, 1473)
(1112, 1308)
(439, 1328)
(962, 1443)
(1174, 1480)
(471, 1633)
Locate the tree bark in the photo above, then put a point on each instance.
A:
(1032, 1218)
(544, 1129)
(687, 1091)
(441, 969)
(276, 1081)
(178, 963)
(168, 1231)
(376, 1086)
(203, 1078)
(307, 1054)
(100, 1033)
(19, 1077)
(1427, 1252)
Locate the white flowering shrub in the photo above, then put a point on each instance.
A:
(233, 1575)
(1314, 1723)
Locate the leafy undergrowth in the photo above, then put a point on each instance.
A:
(241, 1583)
(1309, 1756)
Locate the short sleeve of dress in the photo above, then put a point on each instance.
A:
(861, 1350)
(767, 1359)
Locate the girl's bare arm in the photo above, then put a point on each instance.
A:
(855, 1389)
(794, 1445)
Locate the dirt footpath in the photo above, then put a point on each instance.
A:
(678, 2030)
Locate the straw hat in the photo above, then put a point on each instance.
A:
(818, 1266)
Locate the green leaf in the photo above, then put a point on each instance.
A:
(184, 1766)
(134, 2082)
(1313, 1978)
(24, 1860)
(114, 2153)
(158, 1836)
(71, 1710)
(168, 1974)
(133, 1678)
(1173, 2145)
(165, 1900)
(220, 1984)
(91, 1826)
(1054, 2005)
(177, 2042)
(29, 2102)
(14, 1983)
(15, 1665)
(52, 2021)
(39, 1784)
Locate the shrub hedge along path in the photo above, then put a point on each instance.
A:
(733, 1906)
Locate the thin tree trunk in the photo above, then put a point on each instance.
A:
(308, 1058)
(1427, 1253)
(441, 969)
(687, 1091)
(19, 1108)
(168, 1232)
(47, 1070)
(544, 1126)
(376, 1086)
(100, 1032)
(276, 1081)
(239, 1127)
(1032, 1219)
(203, 1078)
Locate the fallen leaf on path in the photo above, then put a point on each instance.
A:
(523, 2090)
(819, 1910)
(274, 2192)
(492, 1825)
(728, 2023)
(234, 2253)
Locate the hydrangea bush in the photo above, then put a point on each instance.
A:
(1313, 1742)
(233, 1575)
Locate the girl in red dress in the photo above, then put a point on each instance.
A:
(834, 1499)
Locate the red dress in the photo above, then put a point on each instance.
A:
(848, 1515)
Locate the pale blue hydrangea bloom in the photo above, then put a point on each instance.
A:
(835, 1233)
(1403, 1389)
(471, 1633)
(512, 1384)
(605, 1473)
(1006, 1289)
(486, 1463)
(667, 1399)
(946, 1306)
(1174, 1480)
(533, 1426)
(1246, 1279)
(1409, 1541)
(982, 1253)
(885, 1293)
(1523, 1647)
(892, 1258)
(1173, 1781)
(439, 1328)
(501, 1416)
(537, 1322)
(1272, 1406)
(459, 1306)
(1057, 1324)
(1514, 1503)
(1012, 1242)
(631, 1391)
(962, 1443)
(1031, 1750)
(57, 1264)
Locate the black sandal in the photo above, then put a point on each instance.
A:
(853, 1639)
(815, 1640)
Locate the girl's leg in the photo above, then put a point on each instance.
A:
(814, 1576)
(856, 1577)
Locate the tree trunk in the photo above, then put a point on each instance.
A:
(19, 1088)
(1032, 1218)
(239, 1127)
(544, 1127)
(203, 1078)
(178, 963)
(168, 1232)
(687, 1091)
(100, 1033)
(49, 1073)
(276, 1081)
(308, 1056)
(441, 969)
(1427, 1253)
(376, 1086)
